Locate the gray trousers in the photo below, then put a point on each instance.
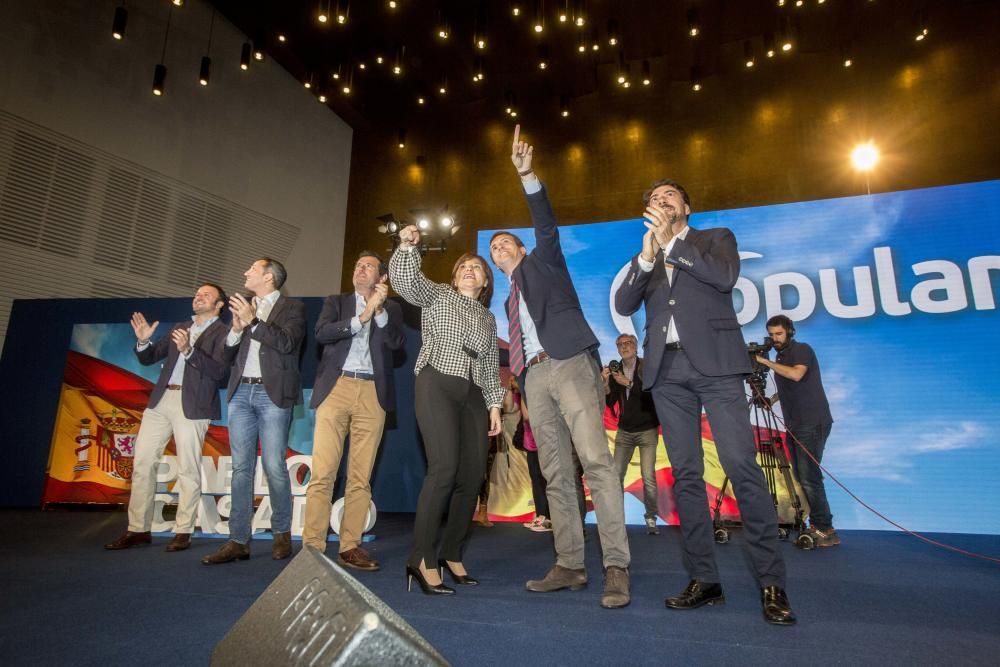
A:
(625, 445)
(566, 403)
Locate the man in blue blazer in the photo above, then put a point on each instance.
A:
(695, 356)
(352, 393)
(554, 351)
(181, 405)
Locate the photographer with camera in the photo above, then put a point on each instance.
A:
(807, 418)
(637, 423)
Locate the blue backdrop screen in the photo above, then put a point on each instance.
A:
(897, 293)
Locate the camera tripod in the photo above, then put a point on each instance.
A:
(773, 462)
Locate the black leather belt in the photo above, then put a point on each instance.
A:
(357, 375)
(246, 380)
(537, 359)
(672, 347)
(175, 387)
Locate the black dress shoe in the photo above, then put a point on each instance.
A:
(696, 594)
(460, 579)
(129, 539)
(428, 589)
(777, 610)
(227, 553)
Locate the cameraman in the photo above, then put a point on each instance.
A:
(637, 423)
(807, 417)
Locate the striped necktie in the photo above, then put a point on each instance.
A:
(514, 330)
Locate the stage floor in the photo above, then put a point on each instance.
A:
(881, 598)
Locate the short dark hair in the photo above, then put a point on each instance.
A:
(782, 321)
(660, 183)
(517, 240)
(222, 293)
(276, 269)
(383, 268)
(485, 294)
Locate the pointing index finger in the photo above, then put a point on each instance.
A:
(517, 134)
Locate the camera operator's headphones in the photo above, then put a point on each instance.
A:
(783, 321)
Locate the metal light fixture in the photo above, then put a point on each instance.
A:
(205, 71)
(160, 71)
(119, 22)
(245, 56)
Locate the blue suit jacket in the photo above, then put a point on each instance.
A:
(333, 332)
(548, 289)
(706, 266)
(204, 372)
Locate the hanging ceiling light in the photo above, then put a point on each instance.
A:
(119, 22)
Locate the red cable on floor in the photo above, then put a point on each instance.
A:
(868, 507)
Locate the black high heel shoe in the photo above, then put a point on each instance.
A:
(414, 573)
(460, 579)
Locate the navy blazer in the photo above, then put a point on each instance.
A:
(204, 370)
(280, 341)
(548, 289)
(333, 332)
(706, 266)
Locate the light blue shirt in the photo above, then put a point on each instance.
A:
(359, 358)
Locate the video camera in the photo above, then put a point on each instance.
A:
(758, 374)
(615, 366)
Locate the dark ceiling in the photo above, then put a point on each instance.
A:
(651, 33)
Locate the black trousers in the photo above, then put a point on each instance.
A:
(454, 424)
(537, 484)
(679, 393)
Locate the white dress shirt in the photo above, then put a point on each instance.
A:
(672, 336)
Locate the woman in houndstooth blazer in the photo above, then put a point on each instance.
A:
(458, 397)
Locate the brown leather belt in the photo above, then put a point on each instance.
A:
(175, 387)
(246, 380)
(537, 359)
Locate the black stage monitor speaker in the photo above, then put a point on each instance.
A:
(316, 614)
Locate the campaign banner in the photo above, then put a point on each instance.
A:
(105, 391)
(896, 293)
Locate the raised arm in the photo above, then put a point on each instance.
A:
(547, 246)
(405, 274)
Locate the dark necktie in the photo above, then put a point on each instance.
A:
(514, 330)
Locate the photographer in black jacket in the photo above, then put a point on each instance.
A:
(637, 423)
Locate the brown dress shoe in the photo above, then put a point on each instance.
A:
(129, 539)
(558, 578)
(357, 559)
(180, 542)
(616, 588)
(227, 553)
(281, 546)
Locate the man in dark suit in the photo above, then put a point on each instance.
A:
(183, 402)
(695, 356)
(264, 387)
(554, 350)
(352, 394)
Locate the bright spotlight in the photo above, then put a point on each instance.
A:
(423, 223)
(447, 221)
(864, 157)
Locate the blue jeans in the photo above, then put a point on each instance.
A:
(813, 438)
(253, 415)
